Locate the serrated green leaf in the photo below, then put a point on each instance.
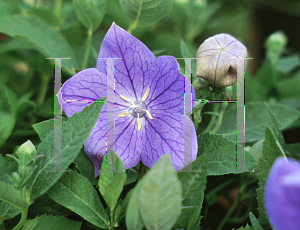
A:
(48, 222)
(270, 152)
(30, 224)
(143, 12)
(221, 154)
(11, 195)
(74, 133)
(111, 183)
(45, 127)
(160, 196)
(254, 222)
(7, 211)
(193, 185)
(76, 193)
(133, 216)
(90, 13)
(45, 38)
(254, 127)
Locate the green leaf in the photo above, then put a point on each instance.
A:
(7, 211)
(254, 222)
(86, 167)
(133, 216)
(289, 63)
(45, 127)
(30, 224)
(247, 227)
(8, 112)
(186, 54)
(289, 86)
(48, 222)
(11, 195)
(111, 183)
(76, 193)
(144, 13)
(221, 154)
(74, 133)
(45, 38)
(254, 128)
(160, 196)
(193, 185)
(294, 150)
(132, 176)
(7, 167)
(90, 13)
(270, 152)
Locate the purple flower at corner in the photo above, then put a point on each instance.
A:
(149, 104)
(282, 194)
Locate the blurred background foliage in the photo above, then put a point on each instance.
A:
(31, 30)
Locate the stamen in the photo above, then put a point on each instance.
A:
(139, 122)
(146, 95)
(122, 114)
(148, 114)
(125, 98)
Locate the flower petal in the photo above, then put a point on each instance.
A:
(132, 66)
(81, 90)
(167, 87)
(165, 134)
(282, 200)
(127, 141)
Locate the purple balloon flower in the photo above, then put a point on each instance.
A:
(282, 194)
(149, 105)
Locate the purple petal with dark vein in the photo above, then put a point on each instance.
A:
(127, 140)
(167, 87)
(282, 200)
(81, 90)
(165, 134)
(134, 63)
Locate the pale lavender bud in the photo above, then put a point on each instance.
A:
(217, 60)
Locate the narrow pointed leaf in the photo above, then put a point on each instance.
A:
(74, 133)
(76, 193)
(111, 183)
(270, 152)
(160, 196)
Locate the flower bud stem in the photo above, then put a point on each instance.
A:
(23, 219)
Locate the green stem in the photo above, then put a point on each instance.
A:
(111, 227)
(23, 219)
(142, 172)
(220, 118)
(43, 89)
(88, 49)
(213, 118)
(230, 211)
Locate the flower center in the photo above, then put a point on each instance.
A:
(137, 109)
